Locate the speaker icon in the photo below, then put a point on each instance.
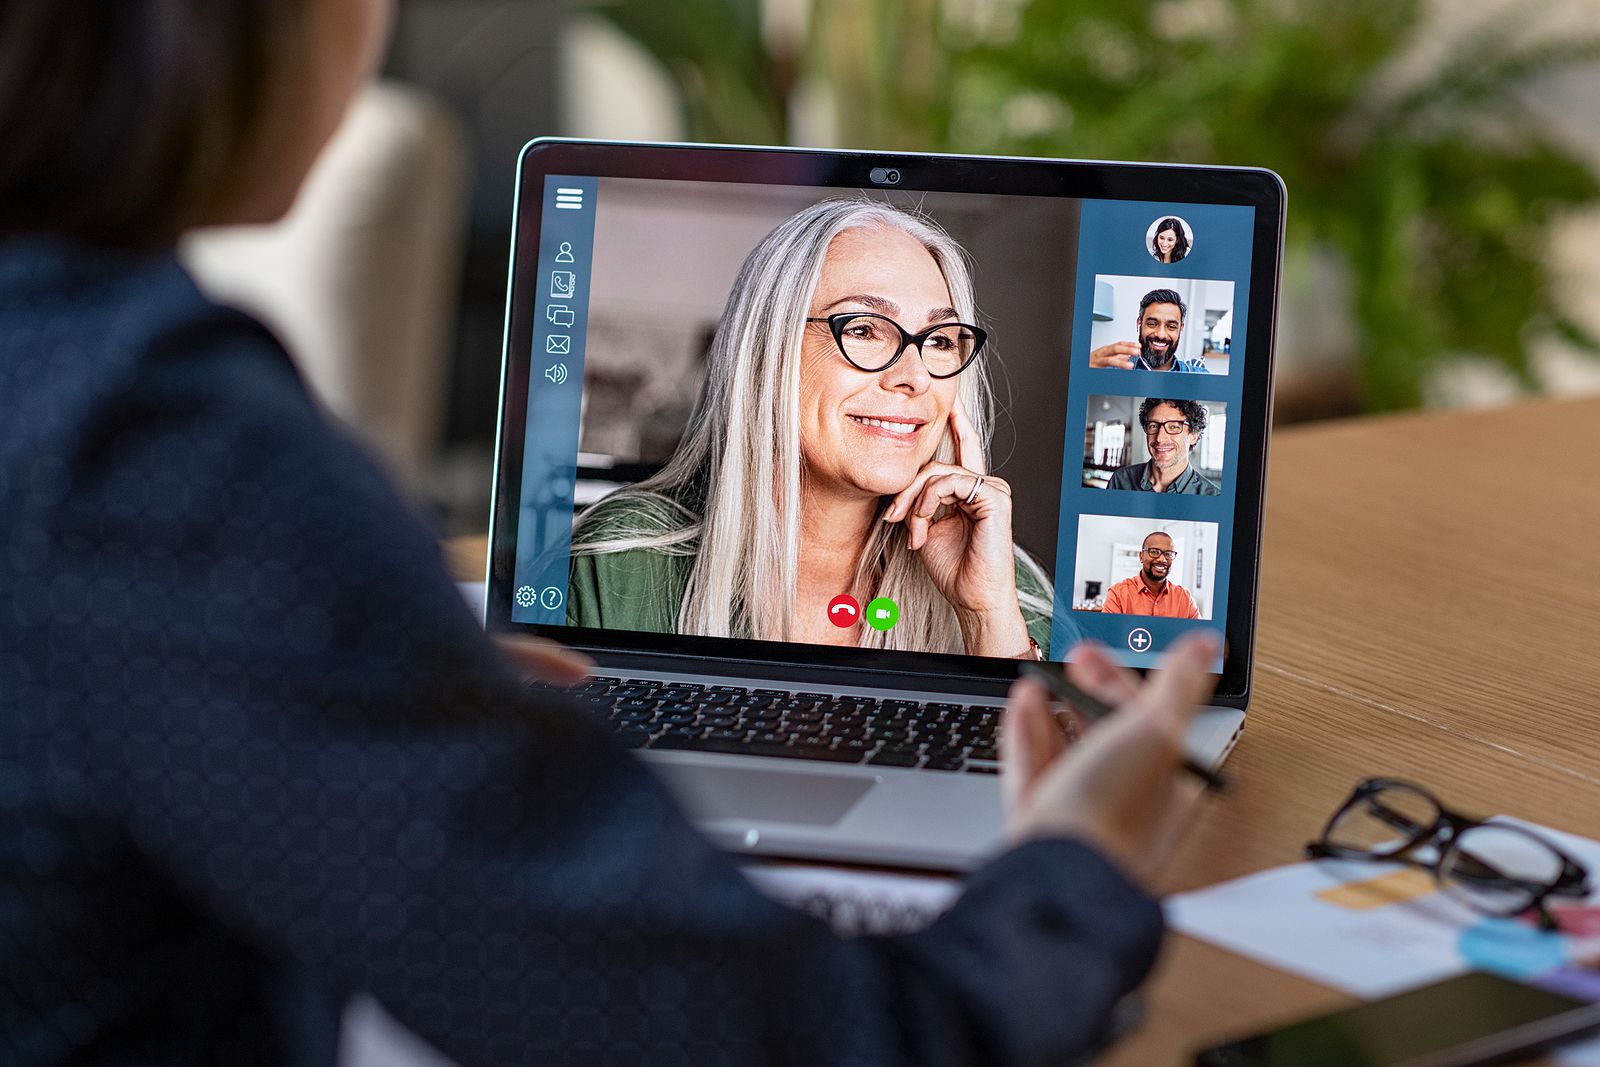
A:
(557, 374)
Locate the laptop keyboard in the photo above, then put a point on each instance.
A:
(646, 713)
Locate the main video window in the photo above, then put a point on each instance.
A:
(801, 410)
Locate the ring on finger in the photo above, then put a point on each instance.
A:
(977, 484)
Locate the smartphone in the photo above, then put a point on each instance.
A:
(1462, 1022)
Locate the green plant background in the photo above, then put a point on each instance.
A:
(1432, 186)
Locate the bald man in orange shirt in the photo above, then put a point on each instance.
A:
(1150, 592)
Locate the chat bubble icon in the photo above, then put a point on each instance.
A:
(560, 315)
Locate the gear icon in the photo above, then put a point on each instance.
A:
(527, 596)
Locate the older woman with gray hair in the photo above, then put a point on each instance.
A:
(838, 447)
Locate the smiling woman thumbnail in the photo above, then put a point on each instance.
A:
(837, 447)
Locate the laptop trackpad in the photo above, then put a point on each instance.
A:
(764, 795)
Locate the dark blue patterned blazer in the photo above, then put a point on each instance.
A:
(256, 756)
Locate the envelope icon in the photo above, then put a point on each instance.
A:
(558, 343)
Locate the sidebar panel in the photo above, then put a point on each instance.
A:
(555, 393)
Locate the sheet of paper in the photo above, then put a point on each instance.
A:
(1374, 929)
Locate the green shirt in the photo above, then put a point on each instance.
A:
(643, 588)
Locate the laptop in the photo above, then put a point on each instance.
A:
(811, 449)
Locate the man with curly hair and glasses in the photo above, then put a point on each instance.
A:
(1172, 430)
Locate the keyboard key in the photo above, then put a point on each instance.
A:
(943, 763)
(983, 768)
(756, 748)
(632, 738)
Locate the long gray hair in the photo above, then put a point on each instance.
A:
(740, 461)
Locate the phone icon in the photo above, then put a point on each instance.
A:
(844, 610)
(563, 284)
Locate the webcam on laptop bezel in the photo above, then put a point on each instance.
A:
(884, 175)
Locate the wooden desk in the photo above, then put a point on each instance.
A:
(1429, 610)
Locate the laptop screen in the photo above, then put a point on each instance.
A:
(973, 424)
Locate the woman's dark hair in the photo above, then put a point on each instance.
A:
(1180, 247)
(124, 121)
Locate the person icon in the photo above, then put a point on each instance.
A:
(564, 255)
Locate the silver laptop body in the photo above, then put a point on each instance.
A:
(588, 217)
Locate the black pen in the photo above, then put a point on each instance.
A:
(1094, 709)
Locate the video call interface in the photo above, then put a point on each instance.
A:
(953, 423)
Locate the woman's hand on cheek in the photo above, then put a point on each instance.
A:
(968, 551)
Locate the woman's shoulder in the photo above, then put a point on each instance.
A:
(107, 359)
(634, 513)
(84, 328)
(632, 554)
